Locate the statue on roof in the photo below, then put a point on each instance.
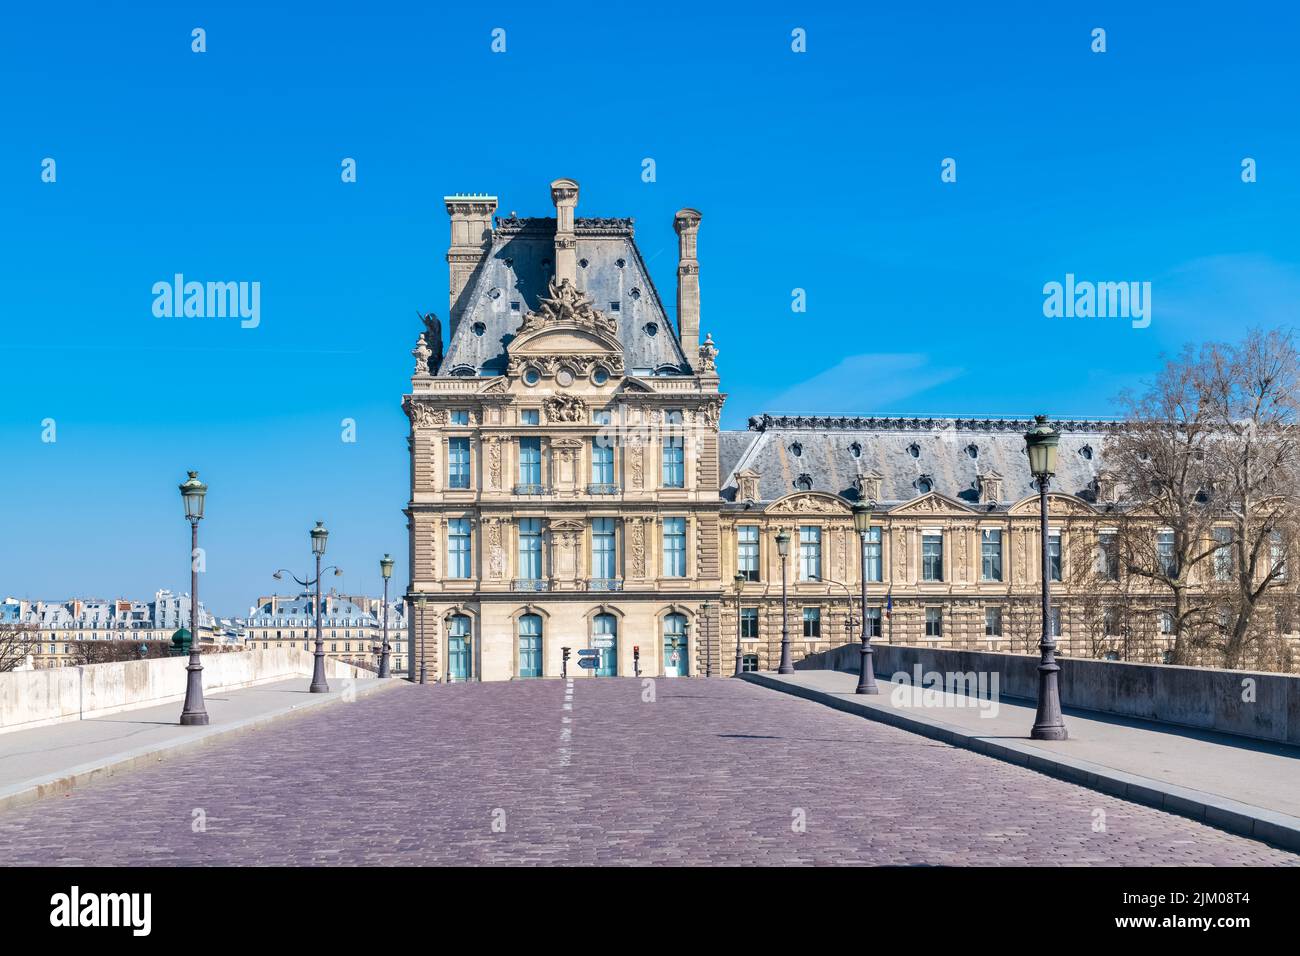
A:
(567, 303)
(431, 338)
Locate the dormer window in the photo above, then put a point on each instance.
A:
(478, 328)
(651, 329)
(1086, 452)
(615, 307)
(804, 483)
(796, 449)
(855, 450)
(514, 306)
(914, 450)
(924, 484)
(973, 451)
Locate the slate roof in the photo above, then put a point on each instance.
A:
(518, 268)
(950, 452)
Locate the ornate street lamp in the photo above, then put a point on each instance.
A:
(319, 536)
(194, 714)
(738, 585)
(386, 569)
(1040, 446)
(783, 551)
(421, 603)
(867, 672)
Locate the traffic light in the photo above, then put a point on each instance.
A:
(566, 654)
(636, 659)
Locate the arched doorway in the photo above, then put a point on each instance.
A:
(530, 645)
(676, 663)
(459, 643)
(604, 638)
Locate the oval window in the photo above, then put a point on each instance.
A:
(532, 376)
(599, 376)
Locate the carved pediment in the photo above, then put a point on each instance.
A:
(809, 503)
(930, 504)
(565, 525)
(747, 485)
(1057, 504)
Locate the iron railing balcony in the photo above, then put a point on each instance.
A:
(601, 488)
(604, 584)
(525, 488)
(530, 584)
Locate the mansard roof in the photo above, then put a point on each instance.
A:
(518, 268)
(828, 452)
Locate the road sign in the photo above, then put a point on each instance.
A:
(588, 652)
(588, 662)
(603, 640)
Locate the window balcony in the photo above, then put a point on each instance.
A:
(604, 584)
(530, 489)
(530, 584)
(602, 489)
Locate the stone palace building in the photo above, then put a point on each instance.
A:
(570, 485)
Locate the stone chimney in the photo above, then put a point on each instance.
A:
(564, 193)
(471, 237)
(687, 224)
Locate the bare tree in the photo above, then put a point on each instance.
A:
(17, 641)
(1254, 391)
(1160, 457)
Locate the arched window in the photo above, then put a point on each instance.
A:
(604, 638)
(675, 646)
(530, 646)
(459, 632)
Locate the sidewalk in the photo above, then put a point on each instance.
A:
(1246, 786)
(61, 757)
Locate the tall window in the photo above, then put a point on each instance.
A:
(1054, 620)
(1108, 555)
(1109, 621)
(993, 622)
(602, 462)
(530, 461)
(747, 551)
(603, 555)
(604, 631)
(934, 622)
(1277, 553)
(530, 548)
(991, 554)
(1165, 554)
(1054, 554)
(931, 558)
(1166, 622)
(458, 463)
(458, 548)
(460, 416)
(873, 569)
(749, 623)
(530, 646)
(810, 553)
(873, 622)
(812, 622)
(1222, 554)
(674, 453)
(674, 547)
(529, 416)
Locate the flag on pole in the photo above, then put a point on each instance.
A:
(889, 604)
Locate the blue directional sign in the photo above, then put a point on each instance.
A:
(588, 662)
(588, 652)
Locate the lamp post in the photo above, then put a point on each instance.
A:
(686, 640)
(386, 569)
(319, 536)
(705, 608)
(867, 672)
(1040, 446)
(194, 714)
(738, 585)
(421, 603)
(783, 551)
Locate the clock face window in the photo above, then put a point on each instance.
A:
(564, 378)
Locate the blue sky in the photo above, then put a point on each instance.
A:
(818, 171)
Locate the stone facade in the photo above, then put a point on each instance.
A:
(570, 487)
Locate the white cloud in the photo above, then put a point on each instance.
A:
(862, 384)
